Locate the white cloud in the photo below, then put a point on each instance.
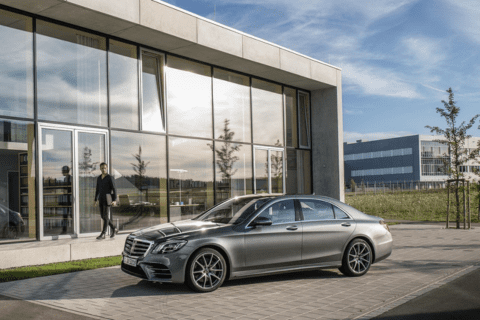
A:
(377, 81)
(349, 136)
(352, 112)
(423, 51)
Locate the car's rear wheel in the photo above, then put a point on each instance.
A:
(206, 271)
(357, 258)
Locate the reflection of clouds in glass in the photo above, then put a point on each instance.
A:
(16, 72)
(60, 155)
(125, 145)
(189, 100)
(291, 117)
(123, 91)
(195, 156)
(71, 82)
(232, 102)
(267, 112)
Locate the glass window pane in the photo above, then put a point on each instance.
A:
(123, 91)
(316, 210)
(276, 162)
(57, 160)
(231, 94)
(71, 75)
(190, 177)
(16, 65)
(291, 178)
(304, 119)
(261, 171)
(91, 152)
(152, 101)
(189, 98)
(339, 214)
(291, 117)
(233, 163)
(298, 180)
(17, 180)
(267, 112)
(280, 212)
(139, 169)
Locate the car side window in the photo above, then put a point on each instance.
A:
(316, 210)
(339, 214)
(280, 212)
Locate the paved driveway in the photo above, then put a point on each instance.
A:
(424, 257)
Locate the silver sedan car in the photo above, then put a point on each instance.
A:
(258, 235)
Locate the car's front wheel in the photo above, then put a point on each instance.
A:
(357, 258)
(206, 271)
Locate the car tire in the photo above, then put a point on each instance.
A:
(357, 258)
(206, 270)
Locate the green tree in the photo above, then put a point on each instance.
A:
(455, 136)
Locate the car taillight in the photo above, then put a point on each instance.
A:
(385, 225)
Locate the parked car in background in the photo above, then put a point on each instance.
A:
(258, 235)
(11, 223)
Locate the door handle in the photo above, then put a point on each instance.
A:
(346, 224)
(293, 228)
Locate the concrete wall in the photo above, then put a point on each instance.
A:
(327, 141)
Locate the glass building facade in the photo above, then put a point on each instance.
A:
(179, 135)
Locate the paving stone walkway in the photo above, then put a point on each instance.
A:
(424, 257)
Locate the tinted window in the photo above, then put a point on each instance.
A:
(316, 210)
(71, 75)
(189, 98)
(339, 214)
(123, 77)
(280, 212)
(16, 65)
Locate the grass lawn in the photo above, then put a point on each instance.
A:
(56, 268)
(430, 205)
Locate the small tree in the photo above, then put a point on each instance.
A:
(352, 184)
(455, 136)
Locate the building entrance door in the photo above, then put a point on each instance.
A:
(269, 170)
(70, 160)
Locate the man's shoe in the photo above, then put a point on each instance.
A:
(114, 232)
(101, 236)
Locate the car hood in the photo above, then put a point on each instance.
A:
(176, 228)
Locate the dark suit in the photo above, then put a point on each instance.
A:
(105, 186)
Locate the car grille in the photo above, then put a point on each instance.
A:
(136, 248)
(159, 271)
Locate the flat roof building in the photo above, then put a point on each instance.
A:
(187, 112)
(418, 158)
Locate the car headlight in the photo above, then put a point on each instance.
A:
(169, 246)
(385, 225)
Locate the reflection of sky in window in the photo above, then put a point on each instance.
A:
(125, 146)
(16, 66)
(95, 143)
(189, 98)
(56, 152)
(291, 117)
(267, 112)
(192, 155)
(123, 90)
(71, 78)
(151, 82)
(232, 102)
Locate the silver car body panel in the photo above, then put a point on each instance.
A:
(251, 251)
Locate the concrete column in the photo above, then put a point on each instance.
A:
(327, 141)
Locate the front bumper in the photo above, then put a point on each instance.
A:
(169, 267)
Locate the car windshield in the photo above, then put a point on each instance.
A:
(233, 211)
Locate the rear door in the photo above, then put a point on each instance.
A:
(326, 229)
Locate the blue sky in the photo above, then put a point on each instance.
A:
(397, 57)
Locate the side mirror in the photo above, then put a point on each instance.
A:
(261, 221)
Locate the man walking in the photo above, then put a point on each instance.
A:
(106, 195)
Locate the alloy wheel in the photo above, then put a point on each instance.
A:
(359, 257)
(207, 271)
